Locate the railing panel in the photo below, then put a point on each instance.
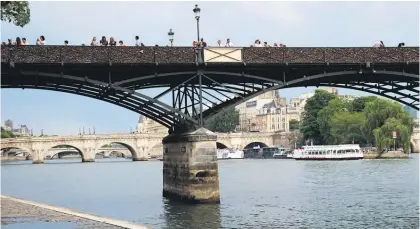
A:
(175, 55)
(304, 55)
(131, 55)
(36, 54)
(345, 55)
(387, 55)
(5, 52)
(99, 55)
(186, 55)
(223, 55)
(257, 55)
(76, 55)
(411, 54)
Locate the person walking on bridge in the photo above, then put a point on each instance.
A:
(228, 43)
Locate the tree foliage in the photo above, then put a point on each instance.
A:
(379, 110)
(225, 122)
(384, 139)
(295, 138)
(17, 12)
(324, 116)
(358, 104)
(346, 127)
(293, 125)
(309, 126)
(6, 133)
(365, 120)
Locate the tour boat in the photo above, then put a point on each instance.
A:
(255, 152)
(329, 152)
(275, 152)
(229, 154)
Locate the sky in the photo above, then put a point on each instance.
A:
(296, 24)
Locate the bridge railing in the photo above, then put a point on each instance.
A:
(187, 55)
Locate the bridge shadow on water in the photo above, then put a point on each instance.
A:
(181, 215)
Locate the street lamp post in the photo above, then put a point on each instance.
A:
(171, 36)
(196, 11)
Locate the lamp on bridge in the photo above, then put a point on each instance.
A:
(171, 36)
(196, 11)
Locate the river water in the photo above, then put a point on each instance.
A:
(254, 193)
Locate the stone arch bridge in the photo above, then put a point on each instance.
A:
(138, 145)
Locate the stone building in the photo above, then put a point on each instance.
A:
(8, 125)
(147, 125)
(248, 110)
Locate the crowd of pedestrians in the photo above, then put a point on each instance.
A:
(112, 42)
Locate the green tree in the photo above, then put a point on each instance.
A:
(295, 138)
(378, 111)
(358, 104)
(293, 124)
(17, 12)
(224, 123)
(325, 115)
(346, 127)
(309, 126)
(383, 135)
(6, 133)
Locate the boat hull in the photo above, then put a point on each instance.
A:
(282, 157)
(329, 159)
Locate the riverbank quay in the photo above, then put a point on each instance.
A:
(387, 155)
(18, 211)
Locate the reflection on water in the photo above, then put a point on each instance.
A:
(267, 194)
(180, 215)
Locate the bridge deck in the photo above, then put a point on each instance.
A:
(186, 55)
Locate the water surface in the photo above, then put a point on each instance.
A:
(254, 193)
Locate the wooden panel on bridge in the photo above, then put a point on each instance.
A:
(223, 55)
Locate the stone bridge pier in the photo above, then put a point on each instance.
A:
(190, 168)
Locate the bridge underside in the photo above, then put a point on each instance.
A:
(211, 87)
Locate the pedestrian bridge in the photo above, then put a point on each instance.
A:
(216, 78)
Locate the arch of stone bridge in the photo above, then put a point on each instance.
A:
(4, 149)
(118, 153)
(107, 153)
(127, 144)
(255, 144)
(68, 152)
(222, 145)
(16, 146)
(398, 86)
(52, 152)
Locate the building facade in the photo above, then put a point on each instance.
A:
(8, 125)
(147, 125)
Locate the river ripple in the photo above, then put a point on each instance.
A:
(254, 193)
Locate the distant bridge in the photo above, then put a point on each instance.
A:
(138, 145)
(57, 152)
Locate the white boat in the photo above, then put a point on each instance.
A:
(329, 152)
(229, 154)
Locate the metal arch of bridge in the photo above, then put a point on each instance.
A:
(146, 106)
(373, 87)
(216, 85)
